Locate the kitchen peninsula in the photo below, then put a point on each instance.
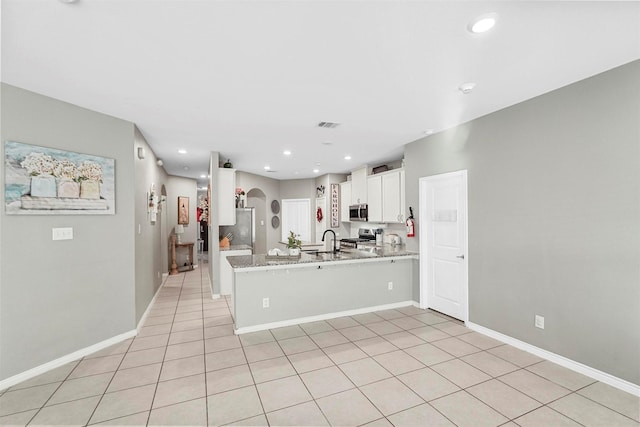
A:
(270, 293)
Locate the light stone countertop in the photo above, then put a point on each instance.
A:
(236, 248)
(346, 255)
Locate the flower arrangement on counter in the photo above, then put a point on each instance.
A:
(293, 241)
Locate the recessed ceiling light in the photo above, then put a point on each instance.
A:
(286, 152)
(327, 143)
(347, 157)
(267, 168)
(427, 131)
(186, 168)
(182, 151)
(483, 23)
(316, 170)
(203, 176)
(466, 88)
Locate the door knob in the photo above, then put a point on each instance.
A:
(460, 256)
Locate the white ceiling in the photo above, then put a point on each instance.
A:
(252, 78)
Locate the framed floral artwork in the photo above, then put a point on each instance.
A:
(47, 181)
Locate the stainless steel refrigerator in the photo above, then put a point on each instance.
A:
(243, 233)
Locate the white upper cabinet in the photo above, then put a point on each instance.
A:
(375, 198)
(392, 200)
(226, 196)
(359, 186)
(385, 192)
(345, 200)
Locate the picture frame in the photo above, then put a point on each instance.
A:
(49, 181)
(183, 210)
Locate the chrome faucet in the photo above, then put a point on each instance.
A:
(334, 239)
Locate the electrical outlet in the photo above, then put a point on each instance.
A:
(390, 285)
(265, 302)
(539, 322)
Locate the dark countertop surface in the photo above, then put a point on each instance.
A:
(261, 260)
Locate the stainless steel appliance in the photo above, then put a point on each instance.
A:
(243, 233)
(366, 237)
(359, 212)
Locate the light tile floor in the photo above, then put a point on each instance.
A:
(404, 367)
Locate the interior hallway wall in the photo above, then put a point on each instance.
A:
(271, 188)
(151, 238)
(58, 297)
(554, 217)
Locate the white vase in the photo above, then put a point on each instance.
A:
(90, 189)
(68, 188)
(43, 186)
(294, 251)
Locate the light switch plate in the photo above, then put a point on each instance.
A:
(539, 321)
(62, 233)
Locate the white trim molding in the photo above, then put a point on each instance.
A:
(153, 300)
(609, 379)
(319, 317)
(39, 370)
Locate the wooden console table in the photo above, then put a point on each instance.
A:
(174, 266)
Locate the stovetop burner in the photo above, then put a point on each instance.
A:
(356, 240)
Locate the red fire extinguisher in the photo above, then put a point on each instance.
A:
(411, 231)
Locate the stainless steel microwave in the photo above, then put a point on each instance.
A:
(359, 212)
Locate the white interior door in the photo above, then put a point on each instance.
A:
(443, 244)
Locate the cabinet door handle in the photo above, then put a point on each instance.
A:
(460, 256)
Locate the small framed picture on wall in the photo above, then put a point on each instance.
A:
(183, 210)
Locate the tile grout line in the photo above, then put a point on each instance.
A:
(155, 391)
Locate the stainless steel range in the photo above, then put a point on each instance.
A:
(366, 236)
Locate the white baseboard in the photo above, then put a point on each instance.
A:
(560, 360)
(38, 370)
(215, 296)
(300, 320)
(153, 300)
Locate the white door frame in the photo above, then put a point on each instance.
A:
(423, 235)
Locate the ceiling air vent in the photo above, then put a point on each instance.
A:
(328, 125)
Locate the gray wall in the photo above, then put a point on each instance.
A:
(82, 291)
(214, 231)
(271, 189)
(554, 217)
(342, 232)
(319, 289)
(150, 238)
(177, 187)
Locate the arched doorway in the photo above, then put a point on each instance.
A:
(258, 200)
